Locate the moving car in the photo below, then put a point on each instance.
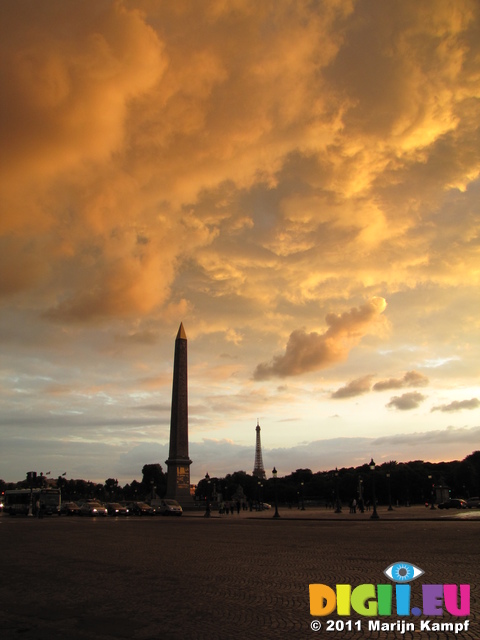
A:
(262, 506)
(473, 503)
(141, 509)
(170, 508)
(116, 509)
(93, 508)
(453, 503)
(69, 509)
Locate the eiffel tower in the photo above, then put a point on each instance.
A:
(258, 469)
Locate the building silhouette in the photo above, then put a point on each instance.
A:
(258, 469)
(178, 463)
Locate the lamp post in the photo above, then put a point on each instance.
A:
(274, 474)
(30, 477)
(207, 510)
(374, 515)
(339, 508)
(432, 502)
(301, 496)
(390, 508)
(360, 494)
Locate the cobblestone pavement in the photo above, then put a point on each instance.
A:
(235, 577)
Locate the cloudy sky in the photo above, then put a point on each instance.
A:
(295, 181)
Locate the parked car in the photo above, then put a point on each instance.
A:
(170, 508)
(141, 509)
(453, 503)
(69, 509)
(473, 503)
(93, 508)
(116, 509)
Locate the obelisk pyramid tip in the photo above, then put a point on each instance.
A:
(181, 335)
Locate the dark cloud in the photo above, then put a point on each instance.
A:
(406, 401)
(452, 436)
(410, 379)
(313, 351)
(458, 405)
(354, 388)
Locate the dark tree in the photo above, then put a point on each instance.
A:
(153, 476)
(111, 489)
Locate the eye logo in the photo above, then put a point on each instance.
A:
(403, 572)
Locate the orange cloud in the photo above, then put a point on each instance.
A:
(71, 70)
(354, 388)
(312, 351)
(141, 143)
(410, 379)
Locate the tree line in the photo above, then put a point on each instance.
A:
(401, 482)
(412, 482)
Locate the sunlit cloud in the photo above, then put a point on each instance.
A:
(407, 401)
(312, 352)
(354, 388)
(458, 405)
(410, 379)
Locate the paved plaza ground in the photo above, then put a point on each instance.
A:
(226, 577)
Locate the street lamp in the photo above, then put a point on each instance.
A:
(360, 494)
(207, 510)
(374, 515)
(30, 477)
(390, 508)
(432, 503)
(339, 508)
(301, 496)
(274, 474)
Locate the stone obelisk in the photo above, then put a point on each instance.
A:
(178, 463)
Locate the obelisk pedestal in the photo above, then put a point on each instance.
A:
(178, 463)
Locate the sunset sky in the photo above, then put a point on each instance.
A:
(295, 181)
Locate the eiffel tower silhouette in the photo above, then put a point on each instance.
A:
(258, 469)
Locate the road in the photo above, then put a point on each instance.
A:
(231, 577)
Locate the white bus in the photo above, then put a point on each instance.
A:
(37, 501)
